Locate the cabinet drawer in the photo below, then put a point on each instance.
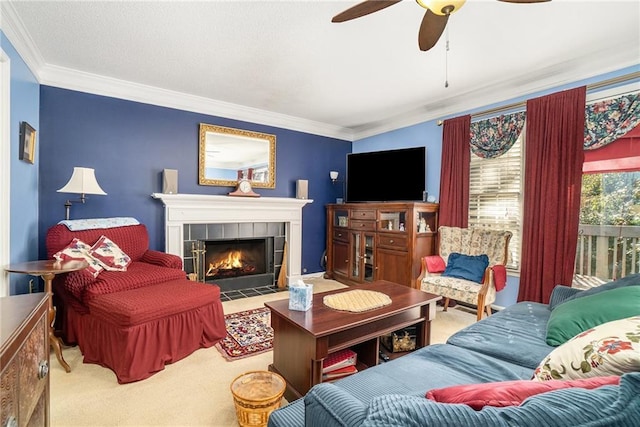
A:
(363, 214)
(362, 225)
(342, 235)
(392, 241)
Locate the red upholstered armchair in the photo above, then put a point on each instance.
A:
(134, 321)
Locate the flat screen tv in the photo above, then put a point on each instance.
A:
(386, 176)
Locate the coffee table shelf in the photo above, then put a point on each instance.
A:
(303, 339)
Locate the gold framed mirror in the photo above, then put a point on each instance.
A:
(228, 155)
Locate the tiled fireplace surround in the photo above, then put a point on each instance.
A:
(190, 217)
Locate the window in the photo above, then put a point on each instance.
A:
(495, 195)
(609, 233)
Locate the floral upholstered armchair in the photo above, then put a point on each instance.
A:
(469, 267)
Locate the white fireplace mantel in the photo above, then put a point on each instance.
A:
(181, 209)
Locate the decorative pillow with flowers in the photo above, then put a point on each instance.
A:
(78, 250)
(109, 255)
(612, 348)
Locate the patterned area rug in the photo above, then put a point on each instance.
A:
(248, 334)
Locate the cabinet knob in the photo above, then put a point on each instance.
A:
(346, 261)
(43, 370)
(390, 240)
(11, 422)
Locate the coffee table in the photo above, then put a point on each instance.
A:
(302, 339)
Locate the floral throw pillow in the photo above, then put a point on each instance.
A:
(109, 255)
(612, 348)
(78, 250)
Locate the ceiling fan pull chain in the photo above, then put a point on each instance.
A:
(446, 60)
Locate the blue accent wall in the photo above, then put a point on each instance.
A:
(430, 135)
(24, 106)
(130, 143)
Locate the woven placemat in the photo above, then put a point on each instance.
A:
(357, 300)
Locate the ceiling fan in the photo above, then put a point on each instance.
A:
(434, 20)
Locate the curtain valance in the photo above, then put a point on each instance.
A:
(608, 120)
(495, 136)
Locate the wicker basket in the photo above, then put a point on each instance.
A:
(256, 394)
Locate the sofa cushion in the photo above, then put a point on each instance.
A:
(603, 406)
(138, 275)
(576, 316)
(632, 280)
(521, 326)
(561, 294)
(509, 393)
(109, 255)
(612, 348)
(434, 366)
(468, 267)
(457, 289)
(132, 239)
(78, 250)
(444, 365)
(142, 305)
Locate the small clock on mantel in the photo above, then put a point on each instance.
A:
(244, 189)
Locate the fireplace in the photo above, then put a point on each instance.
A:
(236, 263)
(189, 214)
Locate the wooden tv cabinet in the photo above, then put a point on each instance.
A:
(379, 241)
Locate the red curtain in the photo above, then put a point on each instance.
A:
(454, 175)
(553, 180)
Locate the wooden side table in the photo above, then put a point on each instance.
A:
(47, 269)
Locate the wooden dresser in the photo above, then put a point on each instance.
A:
(24, 360)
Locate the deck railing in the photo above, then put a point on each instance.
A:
(608, 252)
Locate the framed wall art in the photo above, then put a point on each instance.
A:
(27, 142)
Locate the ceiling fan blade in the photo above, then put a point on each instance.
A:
(524, 1)
(431, 29)
(362, 9)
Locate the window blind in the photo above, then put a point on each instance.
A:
(495, 195)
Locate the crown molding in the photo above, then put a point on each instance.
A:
(67, 78)
(13, 28)
(505, 91)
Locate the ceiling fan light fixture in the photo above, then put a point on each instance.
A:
(441, 7)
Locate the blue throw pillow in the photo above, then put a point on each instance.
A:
(468, 267)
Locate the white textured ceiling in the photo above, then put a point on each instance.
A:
(286, 62)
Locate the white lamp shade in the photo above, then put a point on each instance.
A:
(83, 181)
(333, 175)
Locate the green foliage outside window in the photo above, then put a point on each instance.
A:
(611, 199)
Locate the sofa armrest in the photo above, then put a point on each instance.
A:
(327, 405)
(162, 259)
(560, 294)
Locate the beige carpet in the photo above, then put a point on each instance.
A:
(191, 392)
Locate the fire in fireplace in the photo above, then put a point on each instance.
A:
(238, 263)
(233, 259)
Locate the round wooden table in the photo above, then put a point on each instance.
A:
(48, 269)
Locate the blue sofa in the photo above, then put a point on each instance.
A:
(506, 346)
